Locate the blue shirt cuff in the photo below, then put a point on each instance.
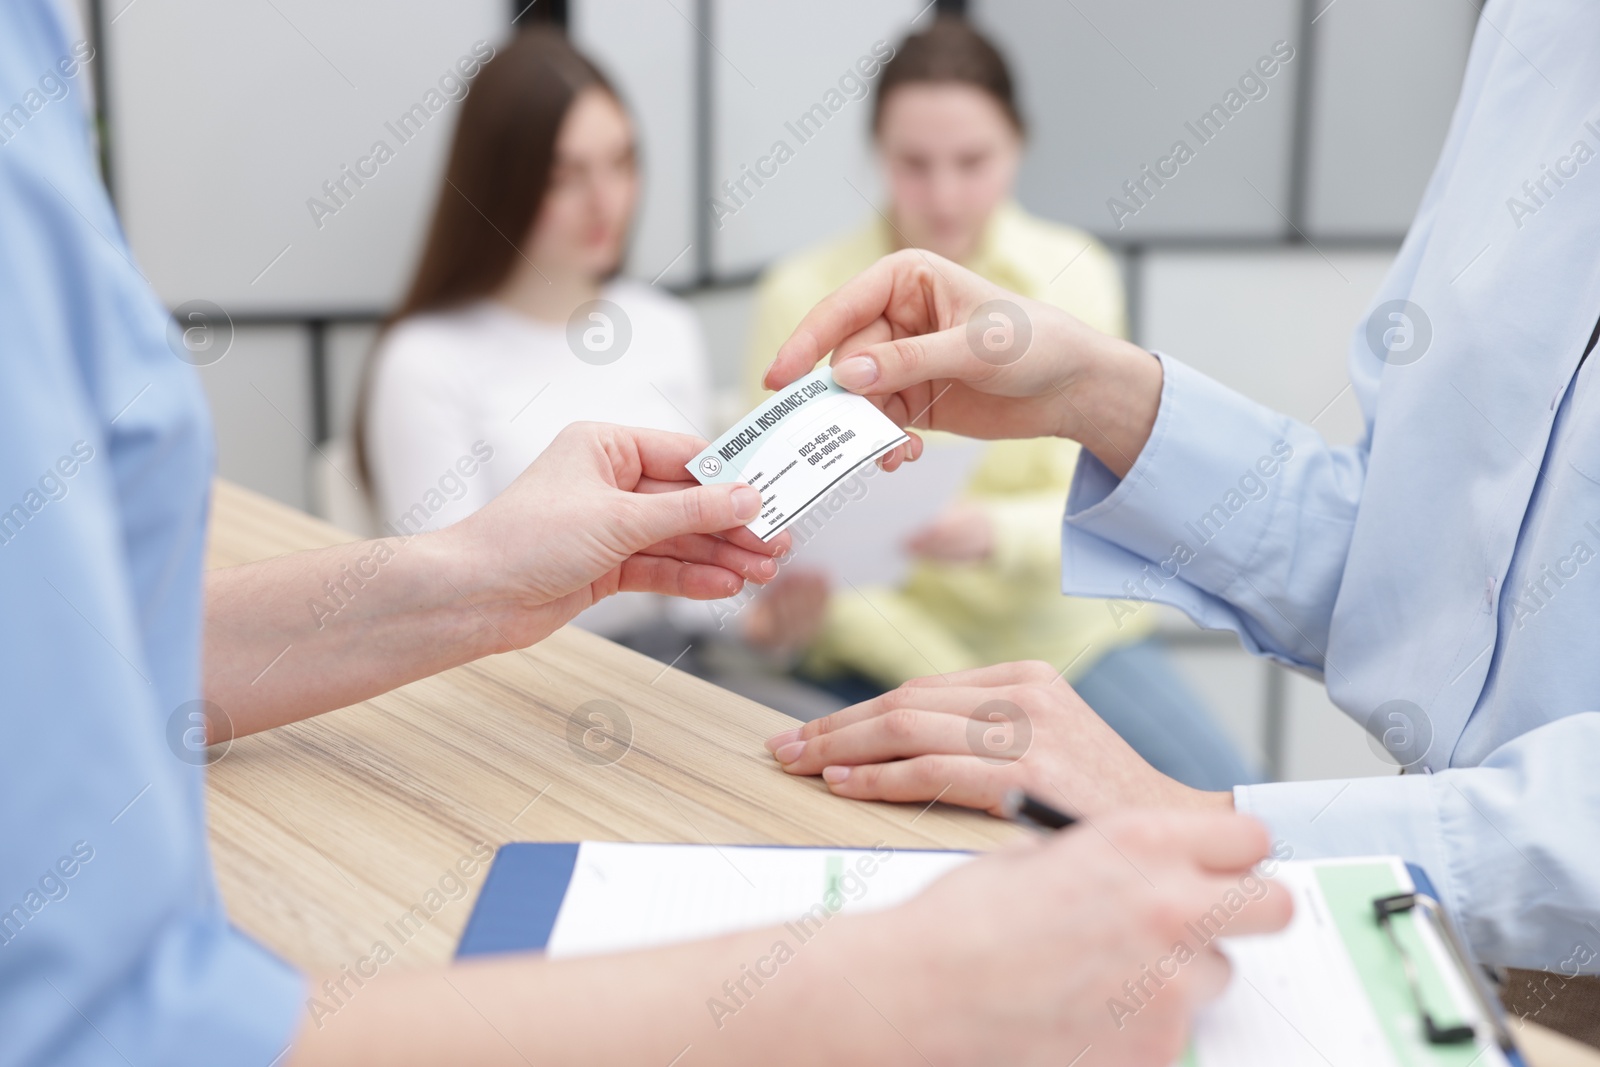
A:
(1185, 525)
(1197, 500)
(1379, 816)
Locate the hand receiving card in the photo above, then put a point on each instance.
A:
(796, 446)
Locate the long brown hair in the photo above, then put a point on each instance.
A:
(497, 176)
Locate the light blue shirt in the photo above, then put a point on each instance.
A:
(1451, 559)
(114, 948)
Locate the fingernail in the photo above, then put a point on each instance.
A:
(766, 568)
(835, 775)
(746, 503)
(790, 752)
(857, 372)
(777, 741)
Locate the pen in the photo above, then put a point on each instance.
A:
(1021, 807)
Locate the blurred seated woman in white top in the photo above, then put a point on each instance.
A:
(516, 323)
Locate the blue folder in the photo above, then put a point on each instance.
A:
(521, 895)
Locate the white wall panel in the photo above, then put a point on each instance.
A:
(1272, 324)
(227, 118)
(1387, 76)
(771, 64)
(1110, 86)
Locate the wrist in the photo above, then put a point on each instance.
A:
(465, 587)
(1111, 399)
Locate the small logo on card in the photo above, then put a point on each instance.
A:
(711, 466)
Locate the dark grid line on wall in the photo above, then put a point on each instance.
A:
(1300, 129)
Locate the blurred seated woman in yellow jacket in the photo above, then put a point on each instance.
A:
(985, 587)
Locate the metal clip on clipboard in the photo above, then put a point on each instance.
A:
(1488, 1005)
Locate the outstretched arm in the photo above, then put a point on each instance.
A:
(604, 509)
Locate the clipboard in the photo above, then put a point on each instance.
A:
(1373, 969)
(1340, 966)
(1423, 900)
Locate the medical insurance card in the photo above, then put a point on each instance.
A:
(797, 446)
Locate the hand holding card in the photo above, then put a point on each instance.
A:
(795, 447)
